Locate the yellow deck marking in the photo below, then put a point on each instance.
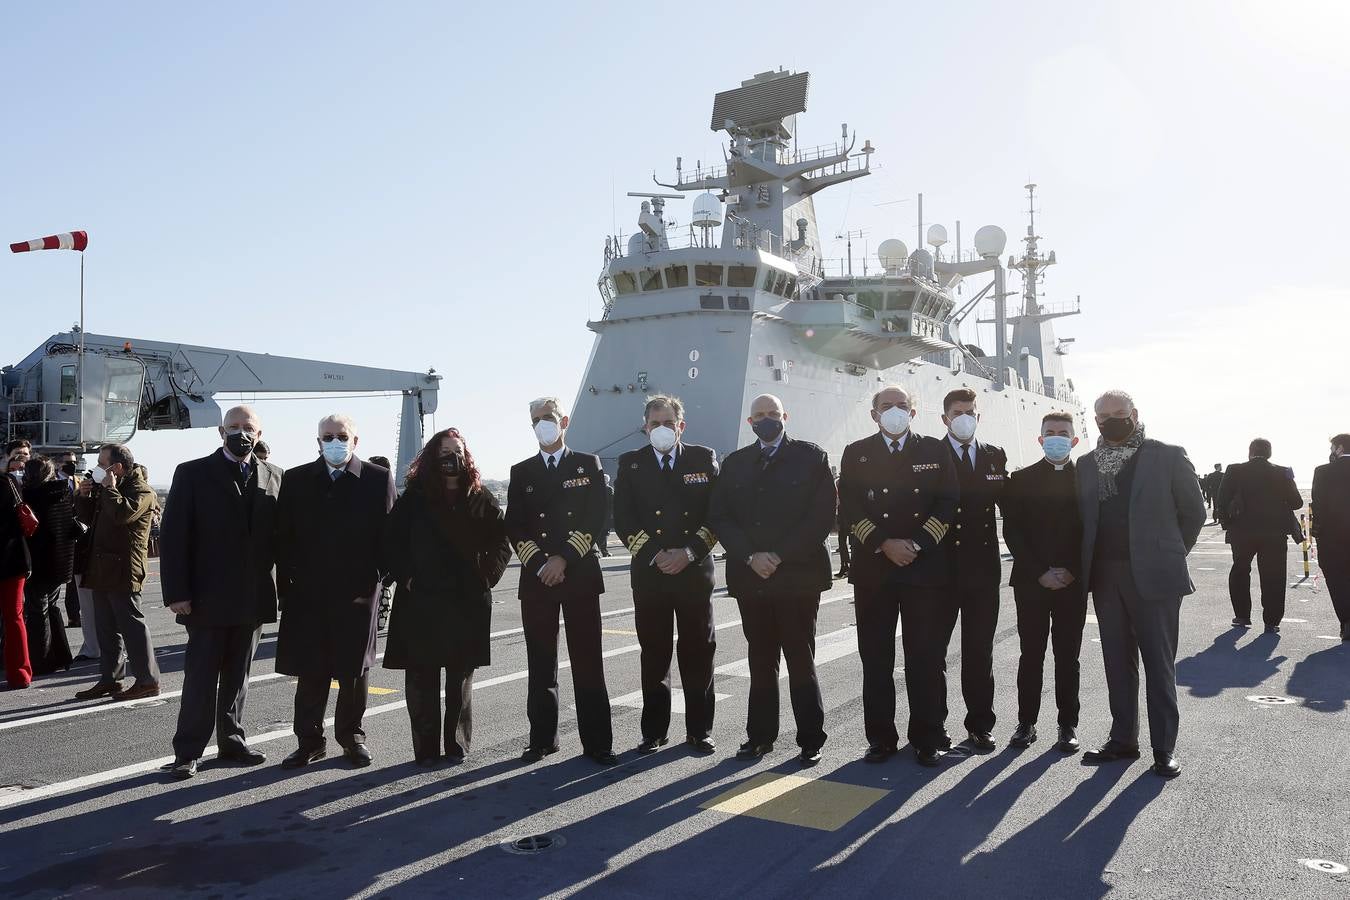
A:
(333, 686)
(794, 800)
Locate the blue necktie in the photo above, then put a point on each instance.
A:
(337, 473)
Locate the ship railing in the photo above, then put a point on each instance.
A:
(687, 238)
(784, 158)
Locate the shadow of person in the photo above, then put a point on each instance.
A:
(1322, 679)
(1064, 853)
(1223, 664)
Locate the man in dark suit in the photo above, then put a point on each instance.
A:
(898, 493)
(217, 550)
(661, 513)
(1255, 506)
(974, 557)
(1330, 509)
(1209, 487)
(1044, 530)
(772, 509)
(1142, 513)
(330, 520)
(556, 506)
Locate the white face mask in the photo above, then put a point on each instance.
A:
(100, 473)
(895, 420)
(547, 432)
(663, 438)
(963, 427)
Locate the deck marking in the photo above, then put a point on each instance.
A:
(795, 800)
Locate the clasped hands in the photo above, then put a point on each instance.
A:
(899, 551)
(671, 562)
(1056, 578)
(764, 564)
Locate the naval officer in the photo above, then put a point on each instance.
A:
(556, 506)
(661, 514)
(982, 471)
(772, 508)
(897, 498)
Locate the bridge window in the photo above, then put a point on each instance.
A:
(771, 279)
(899, 299)
(651, 279)
(870, 299)
(708, 276)
(68, 394)
(677, 276)
(625, 283)
(790, 290)
(738, 302)
(741, 276)
(710, 301)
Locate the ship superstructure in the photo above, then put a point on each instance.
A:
(740, 301)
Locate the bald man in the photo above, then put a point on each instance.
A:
(772, 508)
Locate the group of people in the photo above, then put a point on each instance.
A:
(241, 540)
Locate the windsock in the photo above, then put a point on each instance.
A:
(70, 240)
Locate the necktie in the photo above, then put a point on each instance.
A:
(336, 473)
(965, 457)
(895, 446)
(552, 464)
(665, 463)
(243, 472)
(765, 454)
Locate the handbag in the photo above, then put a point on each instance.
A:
(28, 520)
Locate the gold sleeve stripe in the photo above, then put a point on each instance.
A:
(525, 550)
(580, 542)
(936, 530)
(863, 529)
(705, 535)
(636, 541)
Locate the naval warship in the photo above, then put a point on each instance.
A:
(740, 300)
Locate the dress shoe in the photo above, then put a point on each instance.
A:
(702, 745)
(753, 751)
(1240, 622)
(83, 658)
(428, 762)
(139, 691)
(981, 741)
(183, 769)
(454, 759)
(1111, 751)
(303, 756)
(101, 689)
(929, 758)
(603, 757)
(842, 573)
(810, 756)
(1166, 765)
(877, 753)
(357, 755)
(1024, 735)
(73, 623)
(651, 745)
(1068, 741)
(534, 754)
(243, 757)
(1272, 629)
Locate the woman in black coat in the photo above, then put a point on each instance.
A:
(52, 548)
(445, 544)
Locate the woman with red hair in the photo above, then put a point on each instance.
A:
(446, 546)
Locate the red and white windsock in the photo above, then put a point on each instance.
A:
(70, 240)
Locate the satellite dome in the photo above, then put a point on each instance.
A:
(990, 241)
(937, 235)
(892, 252)
(707, 211)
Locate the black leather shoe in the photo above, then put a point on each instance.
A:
(877, 753)
(810, 756)
(652, 745)
(303, 756)
(1166, 765)
(1110, 752)
(1239, 622)
(100, 689)
(357, 755)
(603, 757)
(753, 751)
(245, 757)
(1068, 741)
(703, 745)
(1024, 735)
(981, 741)
(1272, 629)
(929, 758)
(183, 769)
(534, 754)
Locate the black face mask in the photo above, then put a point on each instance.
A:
(452, 465)
(240, 444)
(68, 468)
(1116, 430)
(768, 429)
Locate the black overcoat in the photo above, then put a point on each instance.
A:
(446, 566)
(329, 536)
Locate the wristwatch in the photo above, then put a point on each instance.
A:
(689, 553)
(749, 558)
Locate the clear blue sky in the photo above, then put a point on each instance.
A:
(407, 185)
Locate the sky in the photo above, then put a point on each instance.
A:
(412, 185)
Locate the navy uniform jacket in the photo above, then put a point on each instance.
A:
(557, 513)
(911, 494)
(786, 507)
(654, 511)
(974, 554)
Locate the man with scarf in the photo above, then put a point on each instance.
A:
(1142, 513)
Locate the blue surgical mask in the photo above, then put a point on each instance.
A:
(335, 452)
(768, 429)
(1057, 448)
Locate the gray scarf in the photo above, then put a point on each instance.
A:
(1111, 459)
